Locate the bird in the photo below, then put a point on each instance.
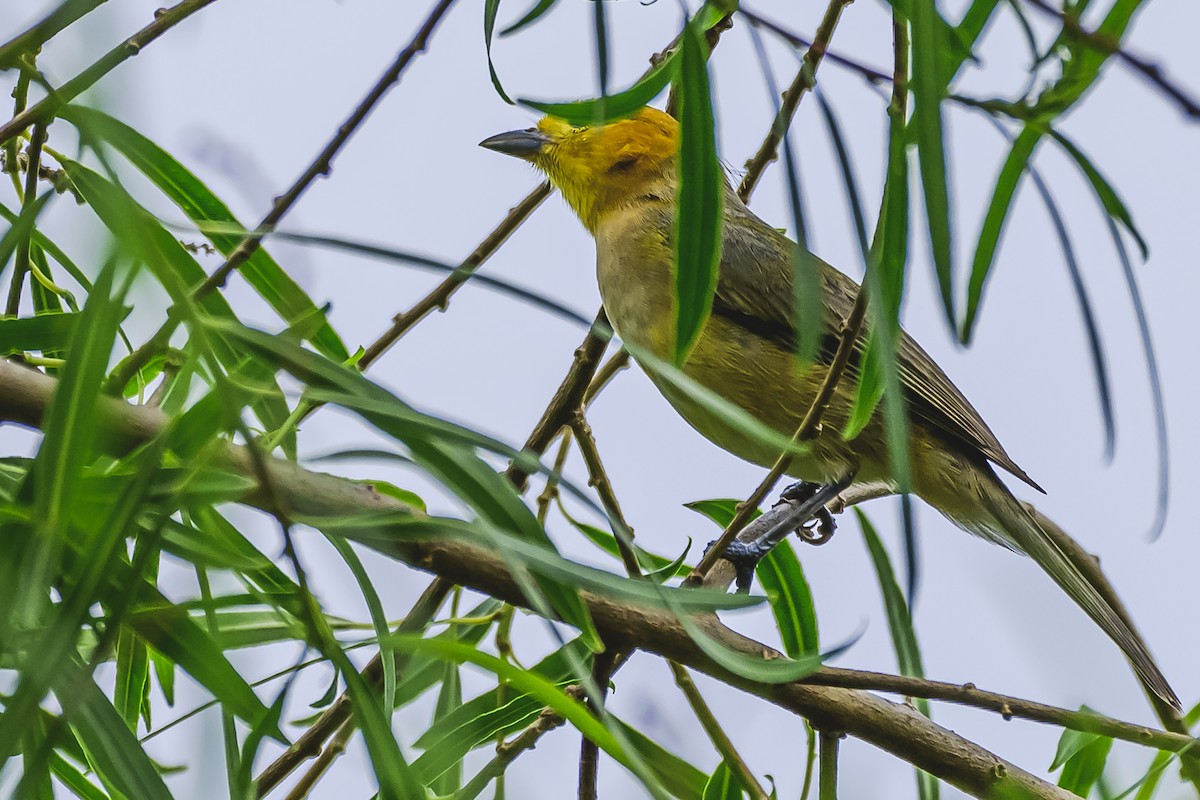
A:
(621, 179)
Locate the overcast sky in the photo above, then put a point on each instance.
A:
(245, 93)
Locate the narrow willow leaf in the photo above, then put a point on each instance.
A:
(614, 106)
(201, 205)
(531, 16)
(698, 218)
(993, 223)
(929, 41)
(679, 777)
(723, 785)
(544, 691)
(112, 748)
(1156, 391)
(43, 332)
(607, 542)
(904, 637)
(69, 776)
(379, 619)
(1105, 193)
(133, 671)
(449, 698)
(490, 7)
(762, 670)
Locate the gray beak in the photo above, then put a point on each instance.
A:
(524, 144)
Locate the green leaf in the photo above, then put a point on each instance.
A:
(200, 205)
(174, 268)
(111, 747)
(133, 672)
(1112, 202)
(607, 542)
(698, 218)
(791, 600)
(904, 637)
(490, 7)
(449, 698)
(21, 228)
(993, 223)
(723, 785)
(929, 41)
(614, 106)
(753, 667)
(544, 691)
(69, 776)
(532, 15)
(43, 332)
(1082, 757)
(679, 777)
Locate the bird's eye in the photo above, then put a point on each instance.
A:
(623, 164)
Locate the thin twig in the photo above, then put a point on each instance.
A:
(439, 297)
(320, 166)
(1106, 44)
(799, 42)
(324, 761)
(1007, 706)
(598, 480)
(42, 112)
(21, 263)
(567, 398)
(603, 666)
(310, 742)
(804, 81)
(716, 733)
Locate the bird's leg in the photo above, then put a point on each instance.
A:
(805, 502)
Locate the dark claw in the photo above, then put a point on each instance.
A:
(745, 557)
(823, 529)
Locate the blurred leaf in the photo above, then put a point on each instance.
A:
(993, 223)
(679, 777)
(42, 332)
(111, 747)
(200, 205)
(449, 698)
(615, 106)
(904, 637)
(21, 228)
(755, 667)
(490, 7)
(379, 619)
(930, 39)
(532, 15)
(1082, 757)
(698, 217)
(75, 782)
(174, 268)
(723, 785)
(133, 672)
(607, 542)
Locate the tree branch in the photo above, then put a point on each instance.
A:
(890, 726)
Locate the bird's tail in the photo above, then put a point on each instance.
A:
(1074, 571)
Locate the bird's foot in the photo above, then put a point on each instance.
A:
(745, 557)
(821, 527)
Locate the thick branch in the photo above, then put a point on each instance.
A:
(890, 726)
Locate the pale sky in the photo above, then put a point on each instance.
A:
(245, 93)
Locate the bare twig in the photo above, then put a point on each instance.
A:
(21, 263)
(321, 165)
(598, 480)
(42, 112)
(804, 81)
(324, 761)
(716, 733)
(566, 399)
(1106, 44)
(799, 42)
(589, 754)
(440, 295)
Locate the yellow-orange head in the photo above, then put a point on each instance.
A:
(598, 169)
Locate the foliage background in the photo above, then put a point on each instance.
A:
(245, 93)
